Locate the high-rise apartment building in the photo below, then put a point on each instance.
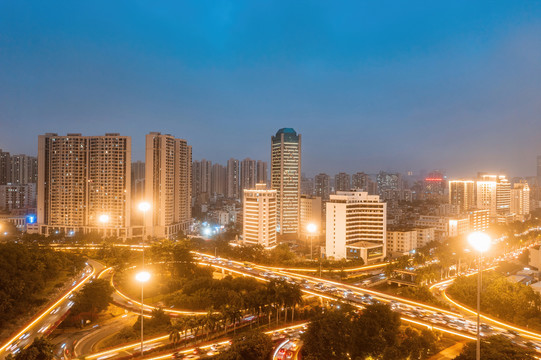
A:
(218, 179)
(201, 177)
(390, 186)
(84, 184)
(342, 182)
(307, 185)
(285, 179)
(364, 182)
(167, 185)
(462, 194)
(356, 223)
(520, 199)
(494, 194)
(5, 167)
(13, 196)
(259, 216)
(322, 186)
(262, 172)
(233, 179)
(24, 169)
(248, 176)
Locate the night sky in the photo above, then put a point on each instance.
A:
(370, 85)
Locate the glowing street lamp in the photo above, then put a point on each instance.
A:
(142, 277)
(481, 242)
(103, 219)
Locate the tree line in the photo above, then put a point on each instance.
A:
(26, 271)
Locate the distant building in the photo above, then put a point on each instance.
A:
(233, 179)
(137, 191)
(307, 185)
(494, 194)
(259, 216)
(262, 172)
(322, 186)
(248, 174)
(462, 194)
(354, 217)
(342, 182)
(364, 182)
(5, 167)
(218, 179)
(390, 186)
(406, 240)
(168, 185)
(13, 196)
(81, 180)
(520, 200)
(285, 179)
(310, 213)
(24, 169)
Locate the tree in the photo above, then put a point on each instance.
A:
(496, 348)
(376, 329)
(328, 337)
(40, 349)
(252, 345)
(94, 297)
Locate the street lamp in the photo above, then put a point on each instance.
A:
(480, 242)
(142, 277)
(312, 228)
(103, 220)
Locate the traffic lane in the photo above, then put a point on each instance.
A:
(43, 323)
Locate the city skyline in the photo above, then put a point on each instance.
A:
(380, 89)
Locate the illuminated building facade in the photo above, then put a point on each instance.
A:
(81, 179)
(285, 179)
(167, 185)
(354, 217)
(259, 216)
(462, 194)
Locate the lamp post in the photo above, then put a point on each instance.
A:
(480, 242)
(143, 207)
(142, 277)
(312, 228)
(103, 220)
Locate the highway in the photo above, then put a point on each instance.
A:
(45, 321)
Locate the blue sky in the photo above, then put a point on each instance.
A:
(370, 85)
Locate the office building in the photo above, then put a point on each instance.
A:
(357, 221)
(285, 179)
(462, 194)
(167, 185)
(84, 184)
(259, 216)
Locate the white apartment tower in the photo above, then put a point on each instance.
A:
(84, 184)
(520, 199)
(494, 194)
(354, 217)
(286, 179)
(167, 185)
(259, 216)
(462, 194)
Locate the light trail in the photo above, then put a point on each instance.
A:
(48, 310)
